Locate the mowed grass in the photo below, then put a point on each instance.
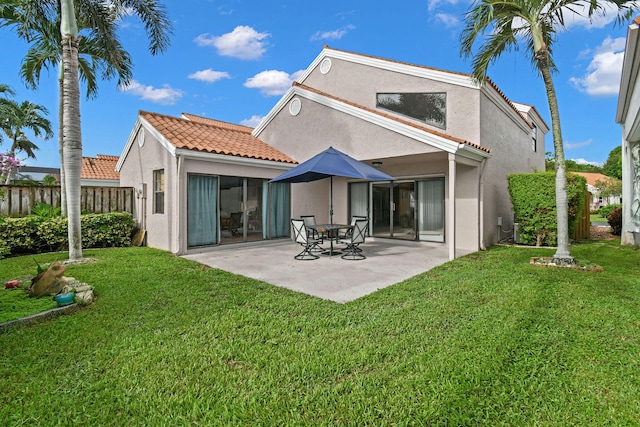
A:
(484, 340)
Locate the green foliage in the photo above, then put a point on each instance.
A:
(49, 181)
(35, 234)
(604, 211)
(613, 166)
(45, 210)
(615, 221)
(571, 165)
(534, 203)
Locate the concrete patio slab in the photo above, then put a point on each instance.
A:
(332, 278)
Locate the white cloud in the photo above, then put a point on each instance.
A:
(252, 122)
(573, 145)
(242, 43)
(603, 73)
(582, 161)
(579, 17)
(434, 4)
(272, 82)
(332, 35)
(209, 75)
(165, 95)
(447, 19)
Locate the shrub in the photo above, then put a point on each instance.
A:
(34, 234)
(44, 210)
(534, 203)
(615, 221)
(604, 211)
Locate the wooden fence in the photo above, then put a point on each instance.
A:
(583, 229)
(17, 201)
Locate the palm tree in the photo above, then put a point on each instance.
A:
(98, 54)
(99, 17)
(15, 119)
(157, 26)
(502, 25)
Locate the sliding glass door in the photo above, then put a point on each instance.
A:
(431, 210)
(394, 210)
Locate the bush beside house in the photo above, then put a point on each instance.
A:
(34, 234)
(533, 196)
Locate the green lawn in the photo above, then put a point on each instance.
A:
(598, 218)
(484, 340)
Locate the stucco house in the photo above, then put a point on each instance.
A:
(628, 115)
(449, 143)
(597, 200)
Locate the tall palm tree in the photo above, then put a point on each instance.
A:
(99, 16)
(502, 25)
(158, 28)
(97, 55)
(15, 119)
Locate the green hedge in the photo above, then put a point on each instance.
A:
(533, 196)
(33, 234)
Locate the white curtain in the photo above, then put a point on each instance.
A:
(359, 200)
(431, 209)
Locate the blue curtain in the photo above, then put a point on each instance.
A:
(359, 200)
(202, 210)
(278, 211)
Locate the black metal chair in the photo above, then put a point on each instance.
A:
(301, 236)
(353, 252)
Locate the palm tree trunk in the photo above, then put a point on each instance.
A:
(63, 186)
(562, 255)
(72, 137)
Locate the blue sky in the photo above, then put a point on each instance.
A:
(232, 60)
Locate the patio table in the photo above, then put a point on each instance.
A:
(331, 231)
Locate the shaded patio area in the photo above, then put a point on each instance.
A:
(388, 262)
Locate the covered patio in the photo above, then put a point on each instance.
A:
(332, 278)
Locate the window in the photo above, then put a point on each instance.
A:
(430, 108)
(534, 139)
(158, 191)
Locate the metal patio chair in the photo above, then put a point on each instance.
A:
(353, 252)
(301, 236)
(310, 221)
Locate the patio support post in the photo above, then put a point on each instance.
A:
(451, 212)
(481, 170)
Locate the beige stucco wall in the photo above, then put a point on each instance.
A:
(360, 84)
(137, 169)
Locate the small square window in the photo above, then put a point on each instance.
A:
(158, 191)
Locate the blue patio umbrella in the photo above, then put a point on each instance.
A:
(328, 164)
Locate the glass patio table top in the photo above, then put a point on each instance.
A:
(331, 233)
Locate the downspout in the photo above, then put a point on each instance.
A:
(451, 214)
(481, 171)
(178, 209)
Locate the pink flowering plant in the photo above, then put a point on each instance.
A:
(8, 164)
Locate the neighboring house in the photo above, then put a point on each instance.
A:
(99, 171)
(597, 201)
(628, 115)
(34, 173)
(448, 142)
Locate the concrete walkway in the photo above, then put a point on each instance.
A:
(388, 262)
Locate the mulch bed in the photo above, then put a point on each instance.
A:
(602, 233)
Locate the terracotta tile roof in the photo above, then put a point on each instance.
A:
(219, 123)
(101, 167)
(489, 81)
(593, 177)
(212, 136)
(395, 118)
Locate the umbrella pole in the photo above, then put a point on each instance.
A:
(331, 201)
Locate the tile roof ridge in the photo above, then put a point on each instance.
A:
(491, 82)
(392, 117)
(216, 122)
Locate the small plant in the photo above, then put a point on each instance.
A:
(44, 210)
(49, 181)
(615, 221)
(604, 211)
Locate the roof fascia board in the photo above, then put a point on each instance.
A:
(629, 73)
(127, 146)
(234, 160)
(412, 70)
(390, 124)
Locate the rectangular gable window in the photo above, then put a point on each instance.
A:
(430, 108)
(534, 139)
(158, 191)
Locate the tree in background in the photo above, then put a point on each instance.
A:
(613, 166)
(16, 118)
(503, 26)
